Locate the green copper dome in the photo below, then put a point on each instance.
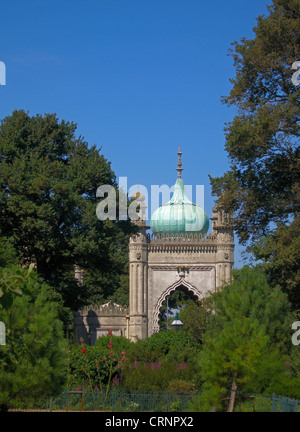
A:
(179, 215)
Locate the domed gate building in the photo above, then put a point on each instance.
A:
(177, 255)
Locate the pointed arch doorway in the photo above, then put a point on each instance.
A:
(182, 285)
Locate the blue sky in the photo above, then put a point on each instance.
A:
(139, 77)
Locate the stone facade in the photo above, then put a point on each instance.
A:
(158, 265)
(92, 322)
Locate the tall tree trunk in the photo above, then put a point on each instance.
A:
(232, 394)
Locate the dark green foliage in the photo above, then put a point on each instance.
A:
(159, 345)
(263, 140)
(242, 348)
(13, 283)
(248, 337)
(288, 384)
(8, 254)
(49, 178)
(280, 255)
(262, 186)
(194, 317)
(250, 296)
(33, 361)
(12, 277)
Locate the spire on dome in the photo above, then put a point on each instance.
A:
(179, 214)
(179, 164)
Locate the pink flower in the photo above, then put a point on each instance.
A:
(182, 366)
(111, 354)
(83, 350)
(123, 353)
(81, 339)
(122, 359)
(110, 332)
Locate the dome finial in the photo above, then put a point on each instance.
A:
(179, 164)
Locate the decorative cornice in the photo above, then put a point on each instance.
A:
(109, 308)
(177, 238)
(183, 248)
(173, 267)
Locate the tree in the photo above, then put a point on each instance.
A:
(231, 361)
(49, 179)
(261, 188)
(248, 341)
(195, 317)
(12, 276)
(250, 296)
(33, 361)
(279, 253)
(8, 254)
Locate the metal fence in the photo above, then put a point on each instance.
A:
(267, 403)
(120, 401)
(112, 401)
(124, 401)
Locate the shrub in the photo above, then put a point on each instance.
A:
(120, 343)
(99, 366)
(158, 376)
(159, 345)
(150, 364)
(181, 386)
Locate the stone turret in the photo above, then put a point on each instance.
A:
(79, 275)
(223, 230)
(138, 276)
